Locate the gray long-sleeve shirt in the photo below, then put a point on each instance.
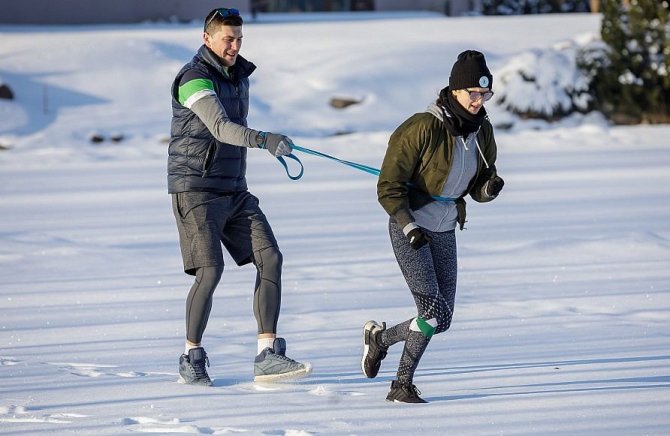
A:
(210, 111)
(441, 216)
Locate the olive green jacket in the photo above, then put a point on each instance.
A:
(417, 162)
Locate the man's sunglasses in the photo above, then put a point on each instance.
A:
(224, 13)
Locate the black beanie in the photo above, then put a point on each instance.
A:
(470, 71)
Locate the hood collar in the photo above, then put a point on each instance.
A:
(241, 70)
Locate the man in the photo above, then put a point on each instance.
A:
(210, 200)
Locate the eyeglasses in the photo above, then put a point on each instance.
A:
(476, 95)
(224, 13)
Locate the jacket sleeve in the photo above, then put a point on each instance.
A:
(489, 149)
(400, 161)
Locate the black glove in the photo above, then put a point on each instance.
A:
(494, 186)
(417, 238)
(276, 144)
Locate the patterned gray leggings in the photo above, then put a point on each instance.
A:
(430, 273)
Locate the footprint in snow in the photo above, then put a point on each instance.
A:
(24, 414)
(324, 391)
(175, 425)
(90, 370)
(8, 361)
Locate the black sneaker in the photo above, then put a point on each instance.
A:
(404, 393)
(192, 367)
(373, 351)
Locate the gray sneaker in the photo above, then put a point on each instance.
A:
(272, 364)
(193, 367)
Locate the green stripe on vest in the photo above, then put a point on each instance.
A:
(192, 86)
(427, 329)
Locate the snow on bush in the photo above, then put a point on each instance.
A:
(544, 83)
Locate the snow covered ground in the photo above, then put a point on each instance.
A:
(563, 309)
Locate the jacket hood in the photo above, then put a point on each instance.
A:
(435, 110)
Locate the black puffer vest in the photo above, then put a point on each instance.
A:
(196, 160)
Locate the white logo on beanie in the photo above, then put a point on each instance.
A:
(484, 82)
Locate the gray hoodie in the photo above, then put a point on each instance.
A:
(441, 216)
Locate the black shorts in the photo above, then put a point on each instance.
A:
(205, 220)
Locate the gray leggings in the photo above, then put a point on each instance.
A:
(430, 273)
(267, 294)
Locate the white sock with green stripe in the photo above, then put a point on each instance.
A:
(427, 327)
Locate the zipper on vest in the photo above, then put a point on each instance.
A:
(211, 151)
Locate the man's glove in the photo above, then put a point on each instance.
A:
(276, 144)
(494, 186)
(416, 236)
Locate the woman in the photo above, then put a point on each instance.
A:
(433, 160)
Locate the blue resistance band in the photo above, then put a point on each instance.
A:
(358, 166)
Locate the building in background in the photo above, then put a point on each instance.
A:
(109, 11)
(135, 11)
(448, 7)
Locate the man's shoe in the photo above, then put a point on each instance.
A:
(404, 393)
(272, 364)
(373, 351)
(192, 367)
